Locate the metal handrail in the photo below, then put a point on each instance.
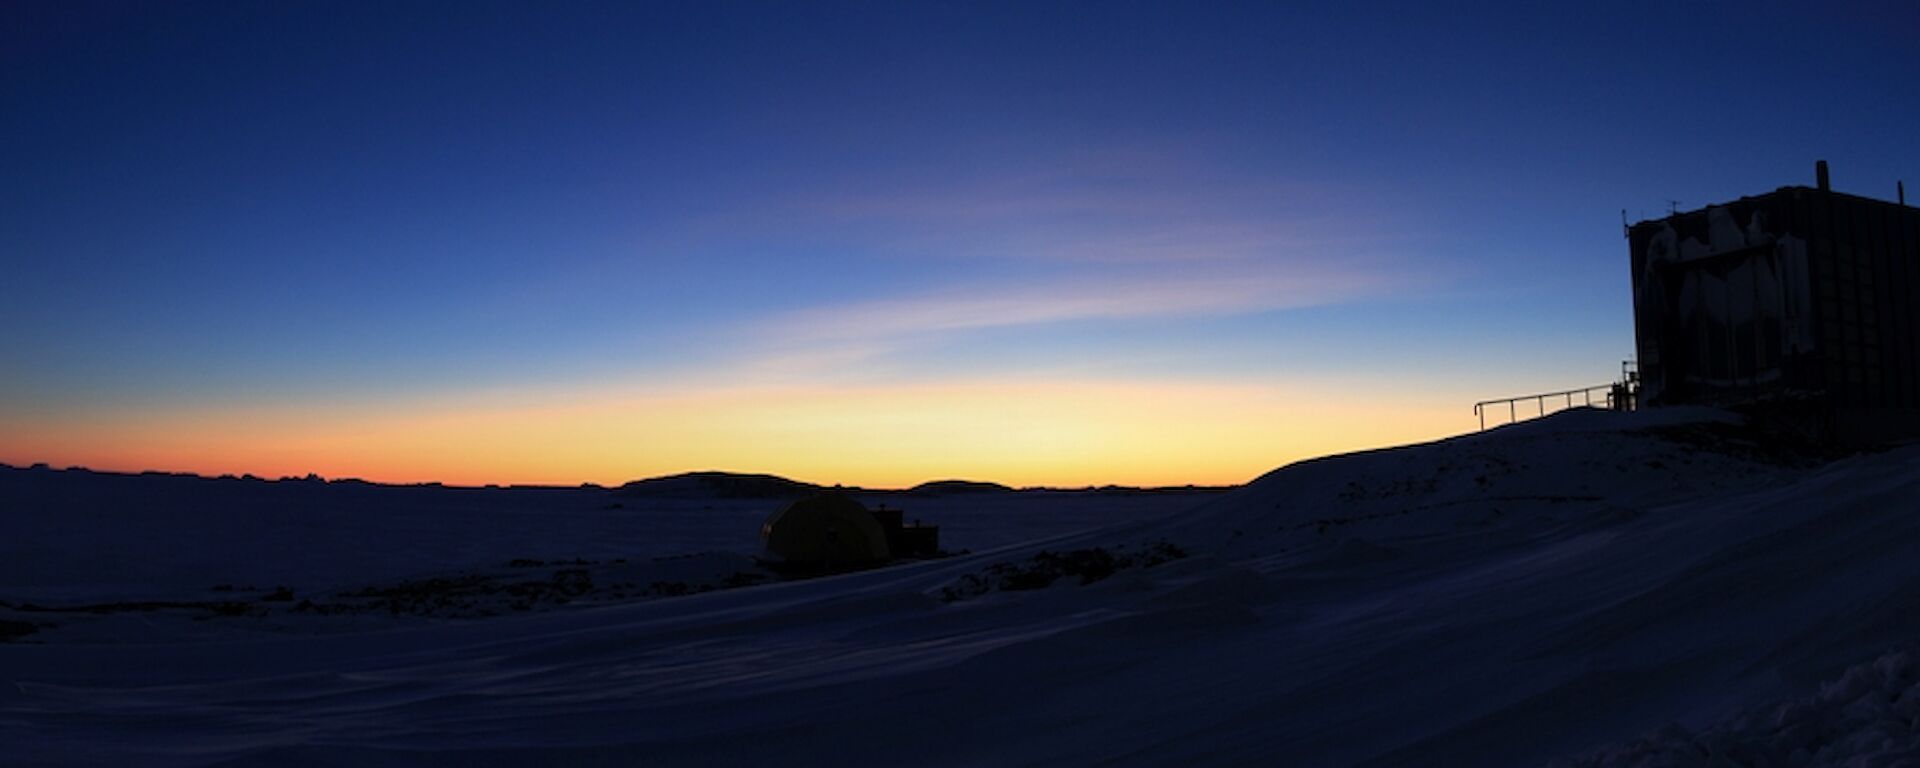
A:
(1513, 412)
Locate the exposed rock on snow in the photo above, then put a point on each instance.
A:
(1043, 568)
(14, 630)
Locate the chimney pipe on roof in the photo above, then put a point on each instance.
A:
(1901, 187)
(1820, 173)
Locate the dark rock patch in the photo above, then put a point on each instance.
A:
(1046, 567)
(14, 630)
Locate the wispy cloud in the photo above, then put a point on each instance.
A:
(1219, 292)
(1133, 208)
(1108, 236)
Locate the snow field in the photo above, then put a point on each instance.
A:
(1505, 598)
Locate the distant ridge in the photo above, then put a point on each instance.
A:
(957, 487)
(725, 485)
(704, 484)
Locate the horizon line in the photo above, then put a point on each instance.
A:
(315, 477)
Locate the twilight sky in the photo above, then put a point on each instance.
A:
(873, 243)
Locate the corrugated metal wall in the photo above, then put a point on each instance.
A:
(1865, 260)
(1801, 291)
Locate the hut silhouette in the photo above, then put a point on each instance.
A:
(1802, 303)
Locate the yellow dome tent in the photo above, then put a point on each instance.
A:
(826, 531)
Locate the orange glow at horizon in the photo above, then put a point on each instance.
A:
(1063, 433)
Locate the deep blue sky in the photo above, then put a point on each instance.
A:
(299, 208)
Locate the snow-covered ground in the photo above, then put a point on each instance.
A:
(1591, 587)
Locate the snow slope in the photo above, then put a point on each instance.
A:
(1506, 598)
(1865, 718)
